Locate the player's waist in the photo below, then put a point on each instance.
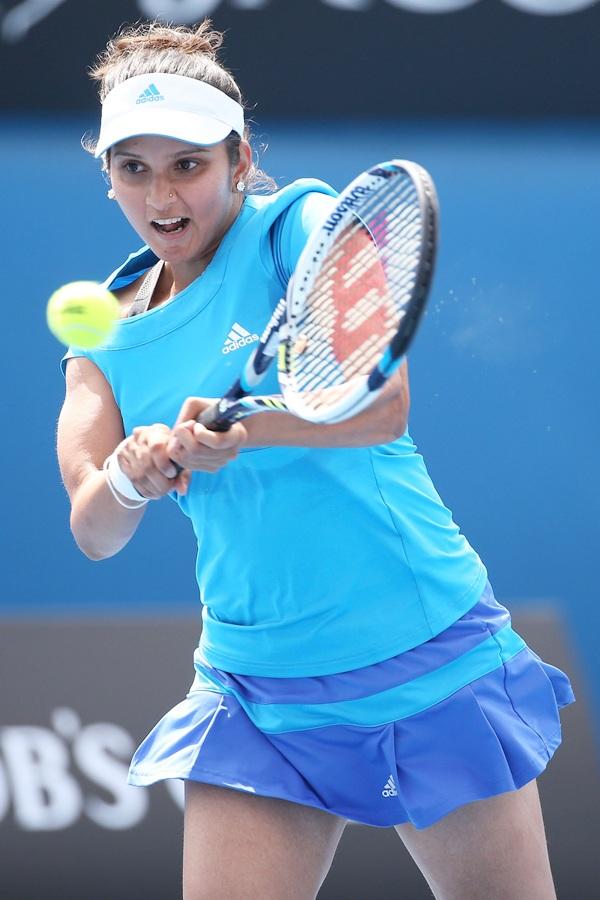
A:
(397, 687)
(350, 628)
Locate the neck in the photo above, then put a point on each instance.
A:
(176, 276)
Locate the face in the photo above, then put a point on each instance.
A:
(180, 198)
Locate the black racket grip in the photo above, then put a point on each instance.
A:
(213, 419)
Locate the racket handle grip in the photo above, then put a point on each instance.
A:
(214, 420)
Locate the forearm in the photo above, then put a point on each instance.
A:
(100, 525)
(284, 430)
(382, 422)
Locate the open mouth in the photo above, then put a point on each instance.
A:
(170, 226)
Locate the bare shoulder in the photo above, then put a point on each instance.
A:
(90, 424)
(81, 372)
(89, 396)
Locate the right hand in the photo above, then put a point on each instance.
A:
(196, 448)
(144, 459)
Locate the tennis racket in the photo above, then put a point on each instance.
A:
(353, 305)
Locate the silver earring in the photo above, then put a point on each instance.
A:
(110, 194)
(171, 196)
(241, 186)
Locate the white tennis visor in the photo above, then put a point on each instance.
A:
(171, 106)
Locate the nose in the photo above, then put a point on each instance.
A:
(161, 195)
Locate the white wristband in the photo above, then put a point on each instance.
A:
(120, 485)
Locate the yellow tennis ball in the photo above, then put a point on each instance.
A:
(82, 314)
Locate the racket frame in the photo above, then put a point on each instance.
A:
(280, 335)
(358, 195)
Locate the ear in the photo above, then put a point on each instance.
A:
(244, 164)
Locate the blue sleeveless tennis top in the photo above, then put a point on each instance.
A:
(310, 561)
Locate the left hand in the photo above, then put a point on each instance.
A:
(196, 448)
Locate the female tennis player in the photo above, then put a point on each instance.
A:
(353, 664)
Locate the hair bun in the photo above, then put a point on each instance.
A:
(202, 40)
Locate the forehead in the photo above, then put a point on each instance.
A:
(161, 147)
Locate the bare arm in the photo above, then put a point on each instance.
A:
(382, 422)
(89, 430)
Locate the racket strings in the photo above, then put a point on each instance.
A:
(356, 299)
(355, 296)
(395, 234)
(344, 345)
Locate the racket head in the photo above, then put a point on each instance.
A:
(358, 293)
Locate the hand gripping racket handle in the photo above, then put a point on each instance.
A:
(215, 419)
(222, 415)
(211, 418)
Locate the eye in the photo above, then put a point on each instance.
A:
(132, 166)
(188, 164)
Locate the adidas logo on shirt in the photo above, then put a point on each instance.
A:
(238, 337)
(151, 93)
(390, 788)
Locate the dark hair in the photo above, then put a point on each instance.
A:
(177, 50)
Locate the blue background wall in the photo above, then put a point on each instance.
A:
(504, 372)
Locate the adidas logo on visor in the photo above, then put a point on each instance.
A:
(151, 94)
(238, 337)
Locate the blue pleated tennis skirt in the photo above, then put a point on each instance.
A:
(469, 714)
